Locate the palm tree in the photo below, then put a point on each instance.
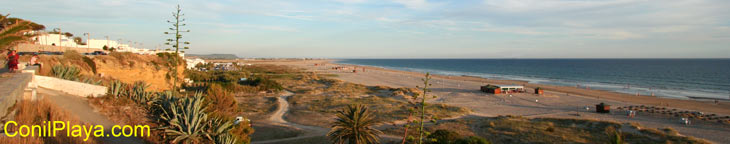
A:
(14, 30)
(353, 126)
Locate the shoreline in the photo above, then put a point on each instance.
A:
(679, 97)
(556, 102)
(687, 104)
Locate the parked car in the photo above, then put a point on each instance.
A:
(99, 53)
(26, 53)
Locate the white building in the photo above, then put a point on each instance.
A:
(53, 39)
(191, 63)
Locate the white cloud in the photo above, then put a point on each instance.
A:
(351, 1)
(611, 34)
(514, 30)
(670, 29)
(414, 4)
(551, 5)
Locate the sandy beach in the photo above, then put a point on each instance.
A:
(558, 101)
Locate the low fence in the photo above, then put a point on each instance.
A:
(70, 87)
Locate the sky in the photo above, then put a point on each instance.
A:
(405, 28)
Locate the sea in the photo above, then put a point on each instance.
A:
(669, 78)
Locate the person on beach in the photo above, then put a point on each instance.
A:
(686, 121)
(13, 60)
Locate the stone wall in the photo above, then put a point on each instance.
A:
(12, 89)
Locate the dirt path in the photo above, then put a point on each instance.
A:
(278, 119)
(80, 107)
(309, 131)
(464, 92)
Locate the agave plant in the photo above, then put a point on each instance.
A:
(139, 93)
(219, 129)
(66, 72)
(353, 125)
(117, 88)
(225, 139)
(91, 81)
(185, 118)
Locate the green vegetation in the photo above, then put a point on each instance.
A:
(197, 118)
(188, 120)
(13, 31)
(136, 92)
(222, 100)
(66, 72)
(353, 125)
(117, 89)
(443, 136)
(91, 64)
(516, 129)
(422, 105)
(230, 80)
(317, 98)
(177, 31)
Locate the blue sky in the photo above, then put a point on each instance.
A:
(407, 28)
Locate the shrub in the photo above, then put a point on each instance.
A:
(263, 84)
(72, 55)
(91, 64)
(443, 136)
(221, 100)
(472, 140)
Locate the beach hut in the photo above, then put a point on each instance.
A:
(499, 89)
(603, 108)
(493, 89)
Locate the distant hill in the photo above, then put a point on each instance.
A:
(213, 56)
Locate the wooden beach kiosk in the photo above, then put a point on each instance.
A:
(539, 91)
(603, 108)
(503, 89)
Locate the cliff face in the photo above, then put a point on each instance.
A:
(126, 67)
(149, 68)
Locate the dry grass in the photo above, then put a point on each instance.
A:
(270, 132)
(38, 112)
(511, 129)
(317, 99)
(257, 107)
(126, 111)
